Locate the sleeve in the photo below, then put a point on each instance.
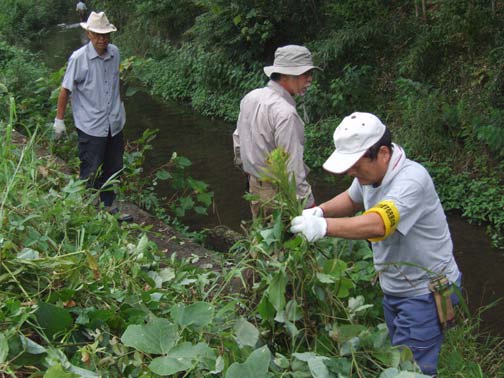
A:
(74, 73)
(408, 195)
(289, 134)
(355, 192)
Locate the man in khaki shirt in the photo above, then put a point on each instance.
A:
(268, 119)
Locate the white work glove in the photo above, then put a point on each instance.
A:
(316, 211)
(312, 227)
(59, 128)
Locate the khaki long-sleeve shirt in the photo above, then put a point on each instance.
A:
(268, 119)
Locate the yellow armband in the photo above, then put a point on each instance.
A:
(389, 214)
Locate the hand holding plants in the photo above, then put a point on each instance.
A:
(312, 227)
(315, 211)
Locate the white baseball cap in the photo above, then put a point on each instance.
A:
(352, 138)
(291, 60)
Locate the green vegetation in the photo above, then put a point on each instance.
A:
(434, 75)
(81, 295)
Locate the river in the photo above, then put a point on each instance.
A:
(208, 144)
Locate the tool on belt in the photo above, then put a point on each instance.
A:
(442, 289)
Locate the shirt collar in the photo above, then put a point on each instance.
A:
(282, 92)
(92, 54)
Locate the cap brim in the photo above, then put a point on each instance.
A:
(340, 163)
(295, 71)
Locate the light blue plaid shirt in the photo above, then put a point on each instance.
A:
(93, 81)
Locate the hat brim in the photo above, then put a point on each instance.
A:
(340, 163)
(107, 30)
(295, 71)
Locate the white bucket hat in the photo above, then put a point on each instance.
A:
(352, 138)
(98, 23)
(291, 60)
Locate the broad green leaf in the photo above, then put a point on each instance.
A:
(276, 290)
(318, 368)
(389, 373)
(57, 371)
(182, 357)
(293, 243)
(198, 314)
(394, 373)
(156, 337)
(315, 363)
(346, 332)
(268, 236)
(344, 286)
(28, 254)
(142, 245)
(236, 21)
(326, 278)
(246, 333)
(335, 267)
(281, 361)
(350, 346)
(292, 329)
(31, 346)
(219, 366)
(256, 365)
(163, 175)
(265, 308)
(4, 348)
(53, 319)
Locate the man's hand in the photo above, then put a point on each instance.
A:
(59, 128)
(312, 227)
(316, 211)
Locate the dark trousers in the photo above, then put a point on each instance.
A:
(100, 158)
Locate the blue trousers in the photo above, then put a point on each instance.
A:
(414, 322)
(100, 158)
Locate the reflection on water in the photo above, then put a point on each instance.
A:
(57, 46)
(208, 144)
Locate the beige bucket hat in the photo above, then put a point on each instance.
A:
(98, 23)
(291, 60)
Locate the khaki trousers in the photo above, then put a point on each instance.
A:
(265, 191)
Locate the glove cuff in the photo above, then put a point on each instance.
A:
(323, 226)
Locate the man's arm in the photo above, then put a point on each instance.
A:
(338, 221)
(360, 227)
(340, 206)
(59, 123)
(367, 226)
(62, 103)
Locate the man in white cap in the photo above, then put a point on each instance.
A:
(268, 119)
(406, 225)
(92, 82)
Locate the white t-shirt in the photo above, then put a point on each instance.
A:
(421, 246)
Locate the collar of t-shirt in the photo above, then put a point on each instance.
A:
(396, 162)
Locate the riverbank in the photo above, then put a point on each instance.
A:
(81, 293)
(167, 239)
